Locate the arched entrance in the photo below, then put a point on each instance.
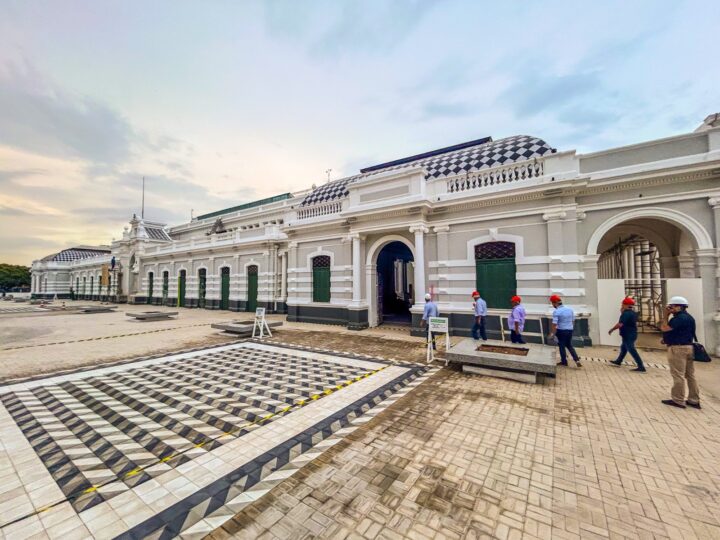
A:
(391, 291)
(648, 254)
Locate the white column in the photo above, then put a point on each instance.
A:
(419, 231)
(357, 268)
(283, 276)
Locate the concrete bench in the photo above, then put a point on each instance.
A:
(241, 327)
(151, 315)
(526, 363)
(96, 309)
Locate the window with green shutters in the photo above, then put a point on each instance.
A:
(321, 278)
(495, 273)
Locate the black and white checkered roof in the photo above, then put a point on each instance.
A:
(156, 233)
(468, 159)
(74, 254)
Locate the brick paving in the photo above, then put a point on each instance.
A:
(591, 454)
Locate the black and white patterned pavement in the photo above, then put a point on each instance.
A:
(174, 446)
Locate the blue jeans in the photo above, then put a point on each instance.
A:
(564, 339)
(478, 329)
(628, 346)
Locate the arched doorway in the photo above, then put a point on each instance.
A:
(395, 287)
(648, 254)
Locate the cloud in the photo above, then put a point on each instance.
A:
(442, 110)
(338, 29)
(39, 117)
(529, 96)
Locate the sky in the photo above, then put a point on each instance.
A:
(218, 103)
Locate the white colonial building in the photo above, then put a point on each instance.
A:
(506, 216)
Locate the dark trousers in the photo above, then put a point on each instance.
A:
(516, 337)
(564, 339)
(478, 329)
(628, 346)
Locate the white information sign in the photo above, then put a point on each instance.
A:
(261, 324)
(437, 325)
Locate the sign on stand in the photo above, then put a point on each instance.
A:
(438, 325)
(261, 324)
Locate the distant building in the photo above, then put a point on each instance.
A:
(504, 216)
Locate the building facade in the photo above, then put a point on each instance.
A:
(508, 216)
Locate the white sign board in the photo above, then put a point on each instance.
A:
(260, 323)
(437, 325)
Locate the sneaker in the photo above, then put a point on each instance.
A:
(639, 369)
(577, 363)
(616, 363)
(693, 405)
(562, 363)
(672, 403)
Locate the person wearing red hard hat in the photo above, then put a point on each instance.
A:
(516, 320)
(563, 322)
(479, 312)
(628, 333)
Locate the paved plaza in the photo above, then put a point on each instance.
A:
(277, 439)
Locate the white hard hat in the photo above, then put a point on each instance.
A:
(428, 296)
(678, 301)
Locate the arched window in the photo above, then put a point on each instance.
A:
(321, 278)
(495, 277)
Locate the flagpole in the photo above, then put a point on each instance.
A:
(142, 211)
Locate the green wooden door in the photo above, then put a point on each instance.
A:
(150, 288)
(252, 284)
(225, 288)
(496, 281)
(181, 289)
(321, 284)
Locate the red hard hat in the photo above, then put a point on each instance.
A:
(555, 298)
(628, 301)
(516, 299)
(475, 293)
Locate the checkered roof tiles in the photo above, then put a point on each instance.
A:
(438, 164)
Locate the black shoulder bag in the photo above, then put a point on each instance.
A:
(699, 352)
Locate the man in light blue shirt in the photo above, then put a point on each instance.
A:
(430, 310)
(480, 312)
(563, 322)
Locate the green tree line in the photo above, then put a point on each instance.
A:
(14, 275)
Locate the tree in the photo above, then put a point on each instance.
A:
(14, 275)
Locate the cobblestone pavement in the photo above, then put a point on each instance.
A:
(591, 454)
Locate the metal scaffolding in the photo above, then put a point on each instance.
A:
(637, 261)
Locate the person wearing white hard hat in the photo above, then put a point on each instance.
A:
(678, 335)
(430, 310)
